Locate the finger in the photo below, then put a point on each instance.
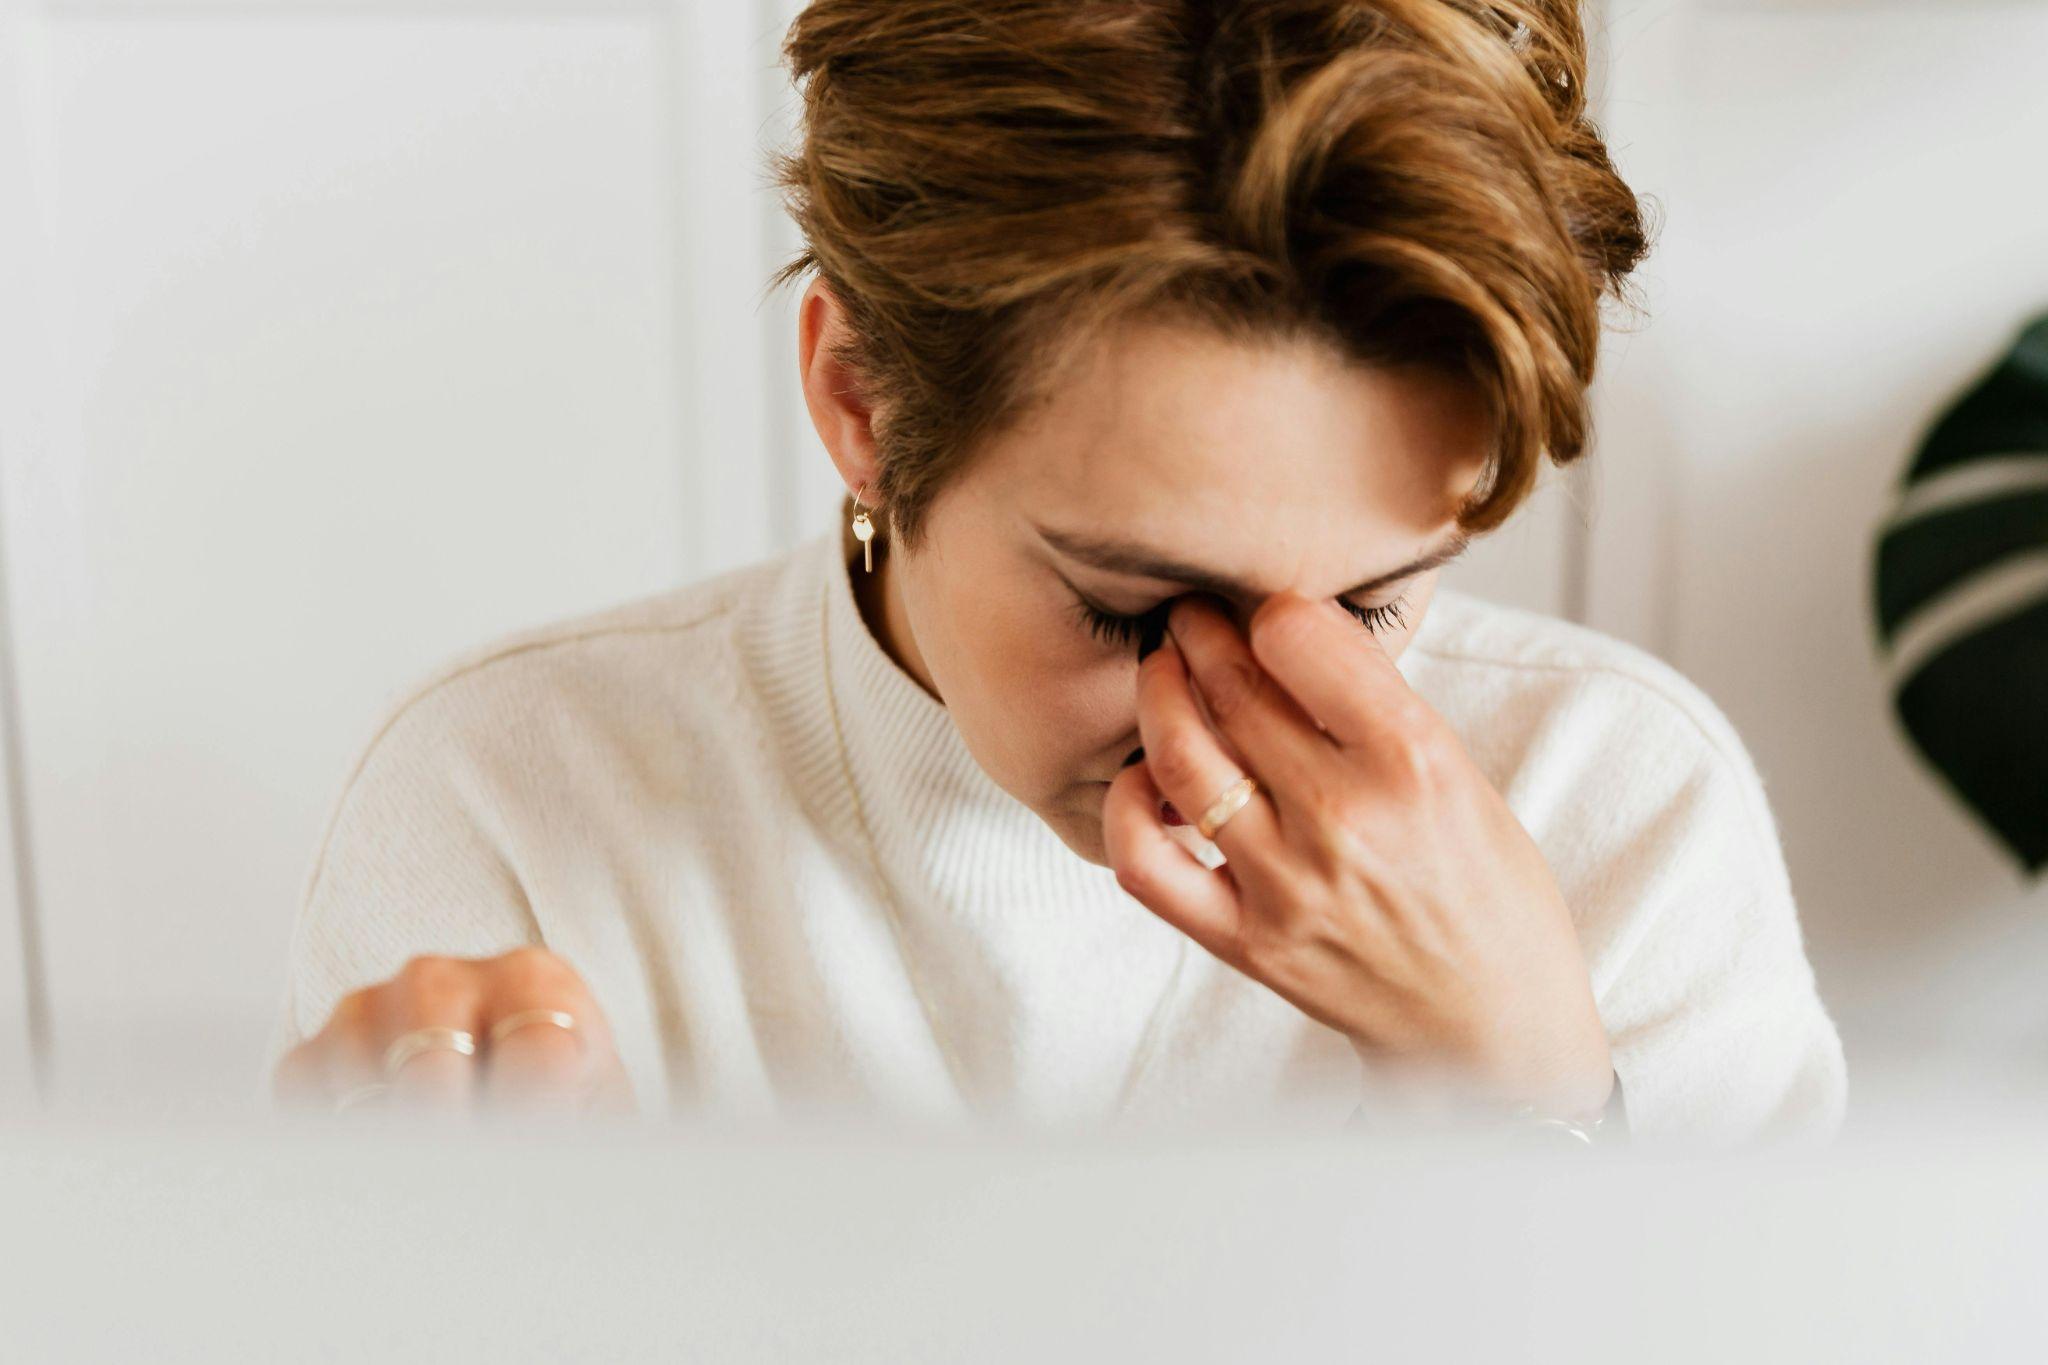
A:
(537, 1067)
(339, 1061)
(1280, 742)
(1161, 875)
(431, 992)
(440, 1080)
(1189, 764)
(1336, 669)
(532, 1063)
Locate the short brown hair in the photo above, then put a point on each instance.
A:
(986, 184)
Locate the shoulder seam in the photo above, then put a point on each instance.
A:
(434, 682)
(1678, 703)
(1760, 821)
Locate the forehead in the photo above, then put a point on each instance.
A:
(1164, 425)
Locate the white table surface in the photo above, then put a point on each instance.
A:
(1921, 1234)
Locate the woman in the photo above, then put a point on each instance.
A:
(1167, 350)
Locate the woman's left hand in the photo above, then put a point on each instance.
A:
(1376, 879)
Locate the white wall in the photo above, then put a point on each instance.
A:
(25, 369)
(338, 336)
(1857, 226)
(368, 336)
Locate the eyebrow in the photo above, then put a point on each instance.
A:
(1127, 557)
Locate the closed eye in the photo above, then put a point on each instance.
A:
(1126, 630)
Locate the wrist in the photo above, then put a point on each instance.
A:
(1582, 1110)
(1572, 1082)
(1605, 1126)
(1489, 1093)
(1583, 1099)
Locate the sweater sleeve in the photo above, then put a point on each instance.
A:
(1714, 1018)
(412, 861)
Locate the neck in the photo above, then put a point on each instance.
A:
(880, 597)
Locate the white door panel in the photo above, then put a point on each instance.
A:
(368, 353)
(25, 350)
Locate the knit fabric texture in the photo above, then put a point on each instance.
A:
(656, 793)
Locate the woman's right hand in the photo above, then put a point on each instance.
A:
(537, 1067)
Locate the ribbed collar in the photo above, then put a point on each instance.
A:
(993, 906)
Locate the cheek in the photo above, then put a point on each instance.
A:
(1081, 692)
(1033, 637)
(1047, 697)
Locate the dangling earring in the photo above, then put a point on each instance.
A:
(864, 532)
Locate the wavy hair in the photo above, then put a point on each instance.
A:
(986, 185)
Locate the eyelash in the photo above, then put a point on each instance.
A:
(1125, 630)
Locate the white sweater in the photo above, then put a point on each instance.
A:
(656, 793)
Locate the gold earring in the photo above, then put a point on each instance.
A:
(864, 532)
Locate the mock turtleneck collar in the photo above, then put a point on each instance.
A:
(942, 827)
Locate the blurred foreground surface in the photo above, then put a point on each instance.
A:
(1921, 1234)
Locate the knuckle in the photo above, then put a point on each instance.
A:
(533, 967)
(1414, 757)
(433, 977)
(1176, 762)
(1231, 688)
(352, 1019)
(1135, 880)
(1334, 829)
(424, 967)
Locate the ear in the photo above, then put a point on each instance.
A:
(844, 421)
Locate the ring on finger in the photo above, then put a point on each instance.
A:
(520, 1019)
(409, 1045)
(361, 1094)
(1233, 799)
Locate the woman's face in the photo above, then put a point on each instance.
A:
(1266, 469)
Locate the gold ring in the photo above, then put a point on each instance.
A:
(361, 1094)
(409, 1045)
(561, 1019)
(1223, 807)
